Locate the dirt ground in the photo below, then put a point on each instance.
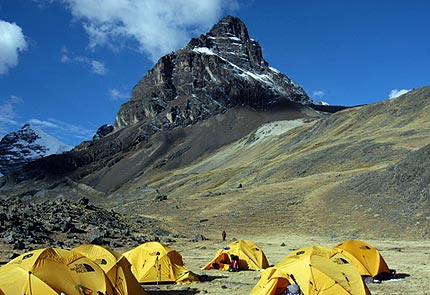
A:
(410, 259)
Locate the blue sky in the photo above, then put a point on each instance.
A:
(66, 66)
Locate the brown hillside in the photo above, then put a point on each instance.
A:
(171, 149)
(295, 181)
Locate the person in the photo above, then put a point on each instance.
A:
(223, 235)
(292, 289)
(234, 266)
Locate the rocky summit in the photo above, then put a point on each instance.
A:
(221, 69)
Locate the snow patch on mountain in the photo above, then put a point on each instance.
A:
(25, 145)
(263, 78)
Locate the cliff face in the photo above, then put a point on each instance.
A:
(221, 69)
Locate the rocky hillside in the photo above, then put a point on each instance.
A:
(352, 174)
(67, 223)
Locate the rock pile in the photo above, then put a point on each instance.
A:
(66, 224)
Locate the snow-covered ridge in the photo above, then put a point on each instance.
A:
(264, 78)
(25, 145)
(203, 50)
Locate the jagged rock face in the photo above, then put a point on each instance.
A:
(221, 69)
(26, 145)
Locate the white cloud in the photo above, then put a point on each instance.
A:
(7, 111)
(116, 94)
(97, 67)
(8, 116)
(42, 124)
(9, 121)
(12, 41)
(43, 3)
(318, 94)
(154, 27)
(61, 129)
(396, 92)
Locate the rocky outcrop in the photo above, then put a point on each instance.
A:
(221, 69)
(103, 131)
(26, 145)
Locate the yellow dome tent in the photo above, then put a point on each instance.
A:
(64, 271)
(116, 267)
(251, 256)
(366, 257)
(17, 281)
(313, 270)
(154, 262)
(323, 251)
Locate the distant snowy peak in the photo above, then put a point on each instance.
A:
(25, 145)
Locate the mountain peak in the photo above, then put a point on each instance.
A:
(25, 145)
(230, 26)
(221, 69)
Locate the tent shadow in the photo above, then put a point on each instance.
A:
(206, 278)
(402, 275)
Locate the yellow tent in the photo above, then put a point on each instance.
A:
(314, 272)
(366, 257)
(250, 256)
(311, 250)
(64, 271)
(18, 281)
(154, 262)
(116, 267)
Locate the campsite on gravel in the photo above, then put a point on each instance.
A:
(410, 259)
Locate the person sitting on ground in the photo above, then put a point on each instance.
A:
(234, 266)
